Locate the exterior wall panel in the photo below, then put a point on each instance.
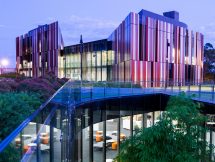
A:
(39, 50)
(160, 43)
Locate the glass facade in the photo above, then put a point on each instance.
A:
(96, 61)
(97, 141)
(144, 47)
(108, 124)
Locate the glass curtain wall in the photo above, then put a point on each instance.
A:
(112, 135)
(96, 61)
(86, 135)
(104, 127)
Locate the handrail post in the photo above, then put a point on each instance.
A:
(81, 92)
(165, 84)
(199, 90)
(179, 86)
(104, 88)
(172, 86)
(118, 89)
(188, 88)
(91, 91)
(131, 88)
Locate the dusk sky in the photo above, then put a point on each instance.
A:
(94, 19)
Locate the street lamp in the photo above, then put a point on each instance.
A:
(64, 61)
(95, 55)
(3, 64)
(81, 52)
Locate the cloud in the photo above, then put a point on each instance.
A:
(90, 28)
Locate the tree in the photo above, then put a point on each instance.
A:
(10, 154)
(15, 108)
(208, 46)
(168, 141)
(19, 97)
(209, 62)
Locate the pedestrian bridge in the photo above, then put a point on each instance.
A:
(79, 92)
(63, 128)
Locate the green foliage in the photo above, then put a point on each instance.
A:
(178, 136)
(19, 97)
(14, 108)
(209, 59)
(10, 154)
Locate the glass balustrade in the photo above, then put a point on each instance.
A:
(65, 129)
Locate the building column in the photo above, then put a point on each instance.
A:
(144, 120)
(21, 144)
(104, 134)
(38, 141)
(131, 123)
(91, 136)
(118, 134)
(153, 118)
(72, 132)
(81, 132)
(211, 142)
(51, 142)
